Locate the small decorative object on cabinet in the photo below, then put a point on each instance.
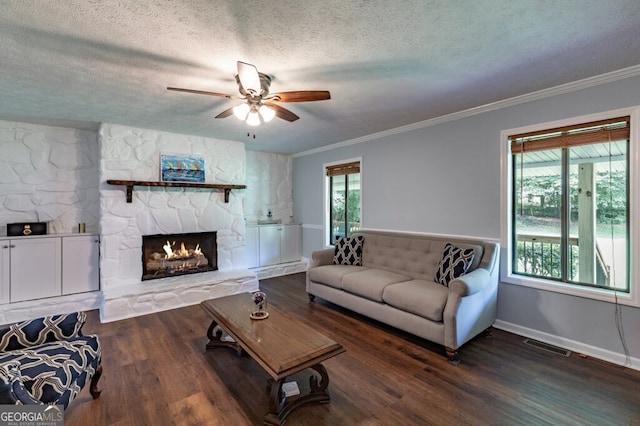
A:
(259, 299)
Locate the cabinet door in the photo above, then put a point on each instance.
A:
(80, 264)
(269, 245)
(251, 246)
(5, 278)
(291, 242)
(35, 268)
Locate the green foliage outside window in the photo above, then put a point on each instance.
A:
(543, 197)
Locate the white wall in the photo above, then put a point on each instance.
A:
(48, 174)
(445, 179)
(269, 186)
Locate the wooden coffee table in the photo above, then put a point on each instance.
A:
(279, 344)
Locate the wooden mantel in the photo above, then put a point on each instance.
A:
(131, 183)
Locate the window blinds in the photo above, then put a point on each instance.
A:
(343, 169)
(610, 130)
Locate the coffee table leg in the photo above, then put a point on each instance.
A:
(214, 333)
(280, 407)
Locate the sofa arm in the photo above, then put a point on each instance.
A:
(322, 257)
(12, 390)
(35, 332)
(470, 283)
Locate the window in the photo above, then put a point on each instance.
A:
(569, 192)
(343, 199)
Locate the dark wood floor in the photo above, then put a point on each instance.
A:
(157, 372)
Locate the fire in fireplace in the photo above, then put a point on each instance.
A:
(169, 255)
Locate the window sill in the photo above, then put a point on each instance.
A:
(604, 295)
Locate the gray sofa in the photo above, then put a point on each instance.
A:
(396, 285)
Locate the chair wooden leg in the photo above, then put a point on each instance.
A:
(312, 297)
(93, 387)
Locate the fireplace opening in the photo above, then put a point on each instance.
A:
(170, 255)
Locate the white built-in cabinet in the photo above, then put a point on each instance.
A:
(80, 264)
(48, 266)
(34, 267)
(290, 243)
(252, 250)
(273, 244)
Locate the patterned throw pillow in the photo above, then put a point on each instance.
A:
(455, 262)
(348, 251)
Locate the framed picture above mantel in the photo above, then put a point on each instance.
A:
(181, 168)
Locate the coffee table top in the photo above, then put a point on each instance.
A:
(279, 343)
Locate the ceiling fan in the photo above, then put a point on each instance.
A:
(260, 106)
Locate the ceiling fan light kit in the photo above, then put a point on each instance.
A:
(260, 106)
(241, 111)
(267, 113)
(254, 115)
(253, 119)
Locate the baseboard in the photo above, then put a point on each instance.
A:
(30, 309)
(577, 347)
(280, 269)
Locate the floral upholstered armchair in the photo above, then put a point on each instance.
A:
(48, 361)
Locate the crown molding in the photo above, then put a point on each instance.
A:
(573, 86)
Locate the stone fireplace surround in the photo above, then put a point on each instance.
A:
(133, 154)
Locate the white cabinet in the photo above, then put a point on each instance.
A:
(34, 268)
(80, 264)
(269, 243)
(5, 265)
(251, 246)
(290, 243)
(47, 266)
(279, 244)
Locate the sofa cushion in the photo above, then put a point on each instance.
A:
(41, 330)
(424, 298)
(55, 372)
(331, 275)
(370, 283)
(348, 251)
(455, 261)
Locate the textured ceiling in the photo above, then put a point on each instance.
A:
(386, 63)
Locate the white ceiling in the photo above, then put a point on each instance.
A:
(386, 63)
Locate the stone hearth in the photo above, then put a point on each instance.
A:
(175, 292)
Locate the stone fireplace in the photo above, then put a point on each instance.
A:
(134, 154)
(171, 255)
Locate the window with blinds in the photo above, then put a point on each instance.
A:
(570, 203)
(344, 189)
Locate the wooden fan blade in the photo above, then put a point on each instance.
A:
(281, 112)
(301, 96)
(227, 112)
(200, 92)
